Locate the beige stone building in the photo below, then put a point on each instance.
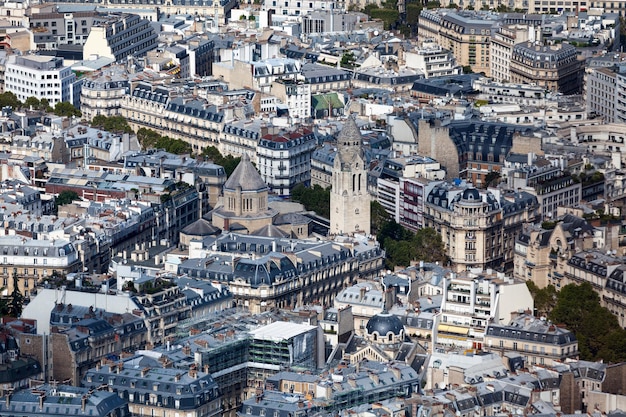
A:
(541, 254)
(466, 34)
(245, 201)
(349, 198)
(538, 341)
(478, 228)
(555, 67)
(150, 106)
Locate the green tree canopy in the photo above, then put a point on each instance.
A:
(116, 124)
(66, 109)
(403, 246)
(545, 298)
(315, 198)
(151, 139)
(66, 197)
(598, 331)
(379, 217)
(229, 162)
(8, 99)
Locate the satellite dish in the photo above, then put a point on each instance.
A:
(375, 33)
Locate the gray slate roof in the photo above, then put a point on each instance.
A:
(245, 176)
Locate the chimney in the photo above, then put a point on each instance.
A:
(42, 397)
(363, 290)
(83, 403)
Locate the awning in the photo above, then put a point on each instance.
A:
(453, 329)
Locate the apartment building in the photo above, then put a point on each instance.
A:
(33, 260)
(120, 35)
(325, 79)
(432, 60)
(471, 149)
(296, 7)
(191, 120)
(601, 93)
(284, 159)
(478, 227)
(602, 139)
(508, 93)
(555, 67)
(39, 76)
(475, 300)
(466, 34)
(541, 254)
(257, 75)
(549, 181)
(501, 49)
(296, 95)
(52, 28)
(537, 340)
(395, 173)
(41, 399)
(303, 273)
(605, 273)
(152, 387)
(102, 92)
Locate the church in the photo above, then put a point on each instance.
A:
(349, 199)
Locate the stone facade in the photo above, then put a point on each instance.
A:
(349, 199)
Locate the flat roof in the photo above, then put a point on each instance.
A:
(280, 330)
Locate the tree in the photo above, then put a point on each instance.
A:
(379, 217)
(315, 198)
(492, 178)
(32, 102)
(228, 162)
(467, 69)
(64, 108)
(545, 298)
(117, 124)
(150, 139)
(8, 99)
(66, 197)
(429, 246)
(347, 60)
(597, 330)
(403, 246)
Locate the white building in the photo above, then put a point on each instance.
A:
(601, 93)
(120, 36)
(501, 49)
(296, 95)
(292, 8)
(432, 60)
(284, 159)
(470, 302)
(41, 77)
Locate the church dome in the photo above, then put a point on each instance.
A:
(384, 323)
(246, 177)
